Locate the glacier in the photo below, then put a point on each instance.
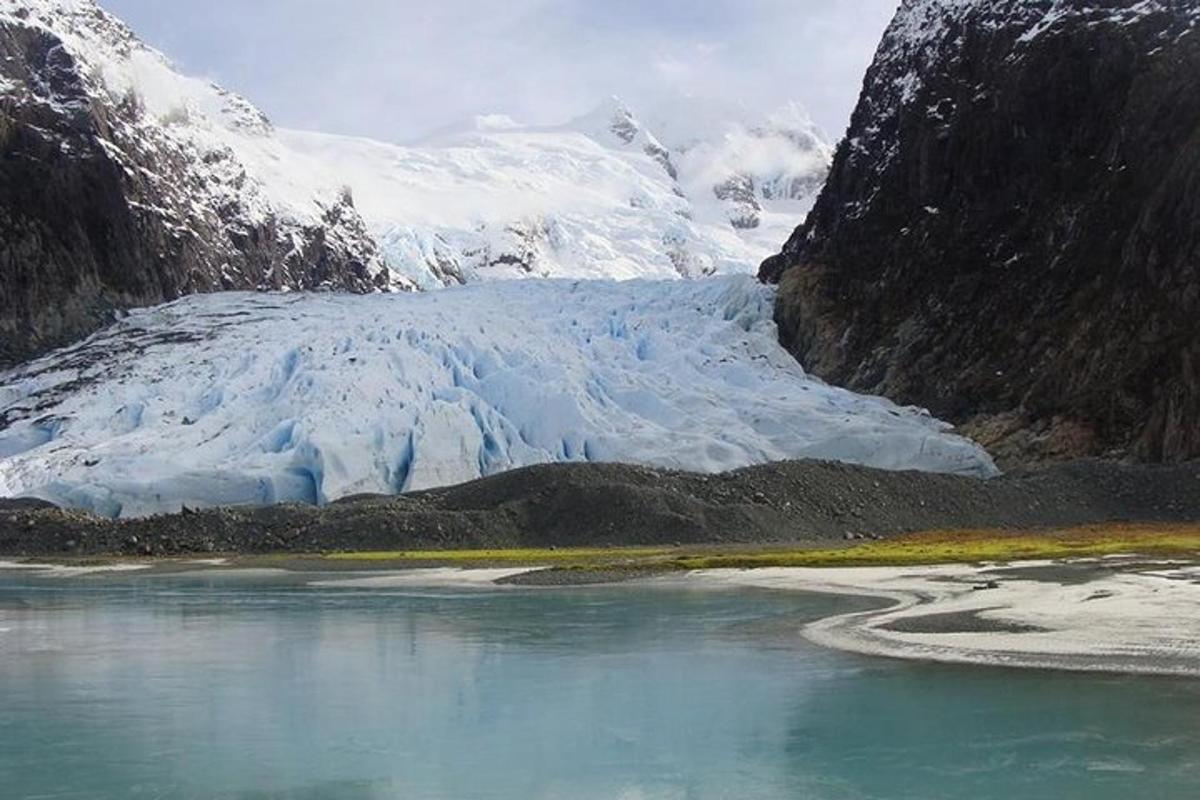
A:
(249, 398)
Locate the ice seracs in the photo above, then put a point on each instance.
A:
(260, 398)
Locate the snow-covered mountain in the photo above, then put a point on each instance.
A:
(763, 175)
(210, 158)
(598, 197)
(502, 201)
(125, 183)
(258, 398)
(152, 184)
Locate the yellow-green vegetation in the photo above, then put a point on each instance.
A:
(935, 547)
(571, 555)
(957, 547)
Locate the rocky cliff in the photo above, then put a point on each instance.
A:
(1010, 234)
(124, 183)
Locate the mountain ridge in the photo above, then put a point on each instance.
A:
(121, 185)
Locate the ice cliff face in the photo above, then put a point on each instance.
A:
(1010, 233)
(235, 398)
(124, 183)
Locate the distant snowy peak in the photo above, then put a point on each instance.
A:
(740, 160)
(477, 205)
(613, 124)
(598, 197)
(778, 165)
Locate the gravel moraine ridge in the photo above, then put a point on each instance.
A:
(607, 504)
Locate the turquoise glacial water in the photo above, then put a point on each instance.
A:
(259, 688)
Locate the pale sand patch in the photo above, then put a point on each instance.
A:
(64, 571)
(231, 575)
(441, 577)
(1119, 620)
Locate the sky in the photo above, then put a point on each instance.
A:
(399, 69)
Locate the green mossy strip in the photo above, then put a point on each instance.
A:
(969, 547)
(940, 547)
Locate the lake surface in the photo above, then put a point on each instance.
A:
(261, 688)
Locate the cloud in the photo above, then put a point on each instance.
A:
(395, 69)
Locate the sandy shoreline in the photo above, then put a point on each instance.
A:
(1105, 615)
(1120, 615)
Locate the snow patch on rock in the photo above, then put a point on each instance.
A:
(211, 157)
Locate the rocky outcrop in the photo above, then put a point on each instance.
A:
(1010, 234)
(109, 200)
(629, 131)
(741, 199)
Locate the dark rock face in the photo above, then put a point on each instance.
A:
(102, 208)
(1010, 234)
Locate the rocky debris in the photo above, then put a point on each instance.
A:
(958, 622)
(606, 504)
(11, 504)
(1010, 234)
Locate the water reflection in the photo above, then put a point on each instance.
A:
(242, 689)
